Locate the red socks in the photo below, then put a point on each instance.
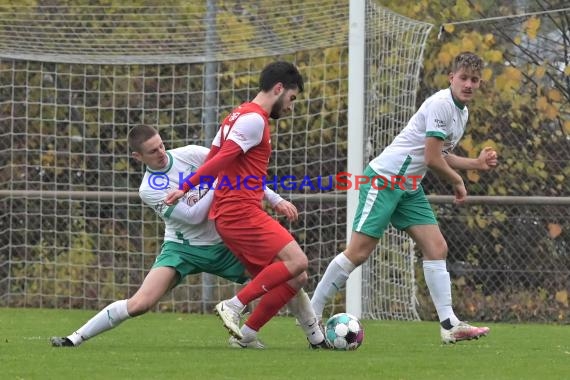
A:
(271, 276)
(269, 305)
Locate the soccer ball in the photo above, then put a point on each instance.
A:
(344, 332)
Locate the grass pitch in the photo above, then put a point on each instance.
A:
(182, 346)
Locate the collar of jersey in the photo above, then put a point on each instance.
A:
(457, 104)
(260, 109)
(166, 168)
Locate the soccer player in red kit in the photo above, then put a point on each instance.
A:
(239, 158)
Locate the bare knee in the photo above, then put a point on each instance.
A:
(138, 305)
(298, 265)
(356, 256)
(437, 250)
(429, 240)
(294, 258)
(360, 248)
(299, 281)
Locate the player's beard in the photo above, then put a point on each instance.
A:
(277, 109)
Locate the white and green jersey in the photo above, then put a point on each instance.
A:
(439, 116)
(186, 221)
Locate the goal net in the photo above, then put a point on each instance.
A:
(75, 79)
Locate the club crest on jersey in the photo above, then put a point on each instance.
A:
(192, 197)
(234, 116)
(159, 207)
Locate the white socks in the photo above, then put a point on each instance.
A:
(235, 304)
(248, 331)
(332, 281)
(300, 306)
(108, 318)
(439, 285)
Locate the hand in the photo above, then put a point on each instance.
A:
(487, 158)
(460, 193)
(288, 209)
(172, 197)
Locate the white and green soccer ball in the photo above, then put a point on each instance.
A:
(344, 331)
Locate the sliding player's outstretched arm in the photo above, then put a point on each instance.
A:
(210, 169)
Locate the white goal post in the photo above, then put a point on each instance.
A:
(75, 79)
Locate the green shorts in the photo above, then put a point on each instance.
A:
(193, 259)
(379, 207)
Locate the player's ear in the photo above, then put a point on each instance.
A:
(137, 156)
(278, 88)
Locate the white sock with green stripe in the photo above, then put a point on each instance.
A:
(108, 318)
(332, 281)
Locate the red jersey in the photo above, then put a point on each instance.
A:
(241, 183)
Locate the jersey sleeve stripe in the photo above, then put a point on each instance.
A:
(439, 135)
(169, 211)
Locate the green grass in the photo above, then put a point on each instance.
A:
(182, 346)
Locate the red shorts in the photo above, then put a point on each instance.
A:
(255, 238)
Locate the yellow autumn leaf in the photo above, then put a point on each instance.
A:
(467, 144)
(540, 71)
(449, 28)
(500, 216)
(486, 74)
(513, 73)
(462, 9)
(532, 25)
(489, 39)
(454, 50)
(541, 103)
(444, 57)
(473, 175)
(494, 56)
(441, 80)
(488, 143)
(554, 230)
(500, 83)
(562, 297)
(567, 70)
(469, 42)
(554, 95)
(567, 126)
(481, 221)
(48, 158)
(513, 84)
(551, 112)
(517, 40)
